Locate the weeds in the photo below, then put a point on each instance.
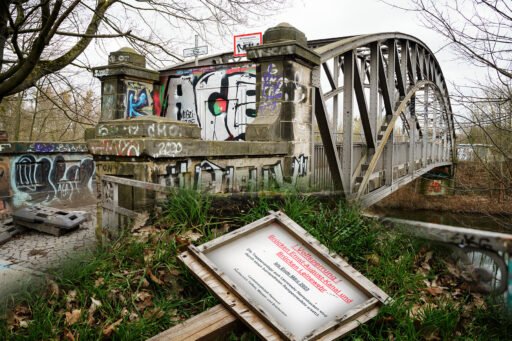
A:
(135, 287)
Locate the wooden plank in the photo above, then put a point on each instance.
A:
(351, 325)
(211, 324)
(120, 210)
(237, 306)
(135, 183)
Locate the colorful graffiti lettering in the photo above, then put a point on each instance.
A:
(221, 100)
(139, 100)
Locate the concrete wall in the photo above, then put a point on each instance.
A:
(47, 173)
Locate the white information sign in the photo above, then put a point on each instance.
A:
(195, 51)
(283, 276)
(243, 41)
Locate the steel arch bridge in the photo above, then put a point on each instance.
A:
(384, 98)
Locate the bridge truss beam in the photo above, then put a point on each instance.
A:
(396, 119)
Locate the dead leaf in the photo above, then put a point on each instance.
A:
(173, 272)
(373, 259)
(71, 296)
(100, 281)
(154, 278)
(191, 236)
(154, 313)
(133, 316)
(68, 335)
(144, 300)
(53, 288)
(107, 331)
(434, 291)
(95, 304)
(219, 231)
(433, 336)
(73, 317)
(148, 255)
(139, 221)
(478, 301)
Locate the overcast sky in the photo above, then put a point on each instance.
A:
(335, 18)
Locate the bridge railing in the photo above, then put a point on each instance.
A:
(112, 215)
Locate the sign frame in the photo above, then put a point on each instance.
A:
(243, 54)
(332, 329)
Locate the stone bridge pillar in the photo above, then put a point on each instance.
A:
(285, 96)
(127, 87)
(129, 136)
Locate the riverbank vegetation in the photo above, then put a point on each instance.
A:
(135, 287)
(473, 190)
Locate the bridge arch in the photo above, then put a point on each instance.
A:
(396, 121)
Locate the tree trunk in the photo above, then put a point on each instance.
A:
(4, 15)
(18, 116)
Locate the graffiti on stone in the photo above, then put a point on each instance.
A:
(57, 148)
(169, 149)
(220, 100)
(299, 167)
(117, 147)
(48, 178)
(4, 146)
(230, 177)
(271, 88)
(210, 177)
(471, 240)
(175, 176)
(139, 100)
(149, 130)
(272, 176)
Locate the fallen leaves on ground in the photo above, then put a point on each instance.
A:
(155, 279)
(143, 300)
(108, 330)
(73, 316)
(140, 221)
(191, 236)
(19, 317)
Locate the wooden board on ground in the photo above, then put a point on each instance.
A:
(211, 324)
(231, 301)
(283, 283)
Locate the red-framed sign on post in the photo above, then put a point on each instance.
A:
(243, 41)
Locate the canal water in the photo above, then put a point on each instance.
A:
(496, 223)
